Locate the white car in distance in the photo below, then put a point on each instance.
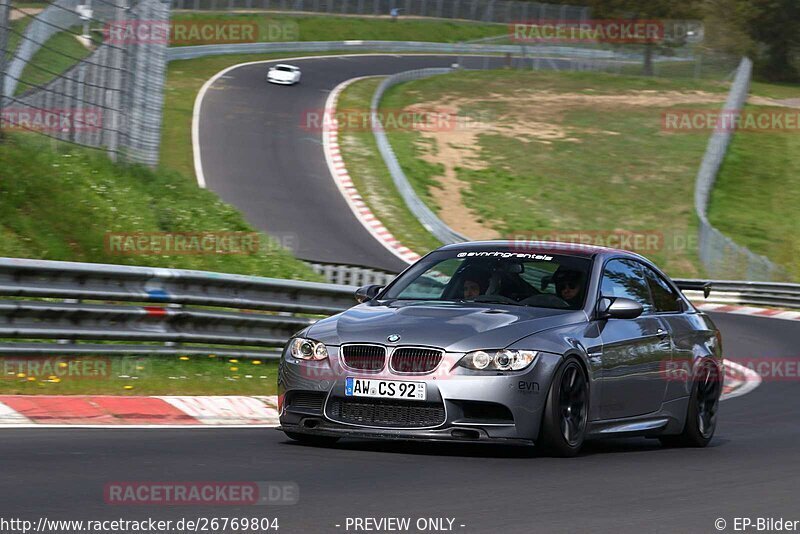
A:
(284, 74)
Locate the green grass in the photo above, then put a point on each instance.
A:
(59, 203)
(371, 177)
(131, 375)
(340, 28)
(62, 51)
(775, 90)
(31, 5)
(637, 178)
(756, 199)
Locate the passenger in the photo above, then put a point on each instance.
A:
(569, 287)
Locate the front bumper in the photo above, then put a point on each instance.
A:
(280, 82)
(442, 435)
(477, 407)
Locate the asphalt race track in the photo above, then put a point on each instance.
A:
(751, 469)
(258, 156)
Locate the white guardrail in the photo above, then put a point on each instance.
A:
(54, 307)
(426, 217)
(567, 52)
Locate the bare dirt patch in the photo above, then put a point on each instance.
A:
(528, 116)
(17, 14)
(765, 101)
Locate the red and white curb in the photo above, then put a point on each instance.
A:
(108, 411)
(137, 412)
(749, 310)
(336, 165)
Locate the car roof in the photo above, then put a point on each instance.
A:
(545, 247)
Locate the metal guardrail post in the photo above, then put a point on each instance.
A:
(158, 311)
(115, 98)
(5, 23)
(719, 254)
(71, 308)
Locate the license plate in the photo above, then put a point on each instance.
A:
(386, 389)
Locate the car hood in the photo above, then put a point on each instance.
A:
(455, 327)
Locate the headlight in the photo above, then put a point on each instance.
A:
(498, 360)
(307, 349)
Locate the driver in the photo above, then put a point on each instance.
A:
(472, 288)
(474, 282)
(569, 286)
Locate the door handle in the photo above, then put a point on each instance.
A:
(662, 333)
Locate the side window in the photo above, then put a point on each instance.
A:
(664, 297)
(623, 278)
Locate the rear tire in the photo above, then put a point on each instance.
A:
(566, 411)
(701, 415)
(309, 439)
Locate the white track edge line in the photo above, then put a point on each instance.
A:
(374, 230)
(198, 101)
(752, 380)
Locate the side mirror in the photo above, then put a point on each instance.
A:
(367, 293)
(618, 308)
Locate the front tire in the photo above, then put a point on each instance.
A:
(566, 411)
(701, 415)
(309, 439)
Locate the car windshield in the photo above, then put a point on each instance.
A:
(526, 278)
(284, 69)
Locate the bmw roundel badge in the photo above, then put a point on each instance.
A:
(393, 338)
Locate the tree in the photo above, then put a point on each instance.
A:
(774, 26)
(644, 10)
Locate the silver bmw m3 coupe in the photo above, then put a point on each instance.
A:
(539, 343)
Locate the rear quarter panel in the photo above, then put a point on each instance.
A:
(695, 336)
